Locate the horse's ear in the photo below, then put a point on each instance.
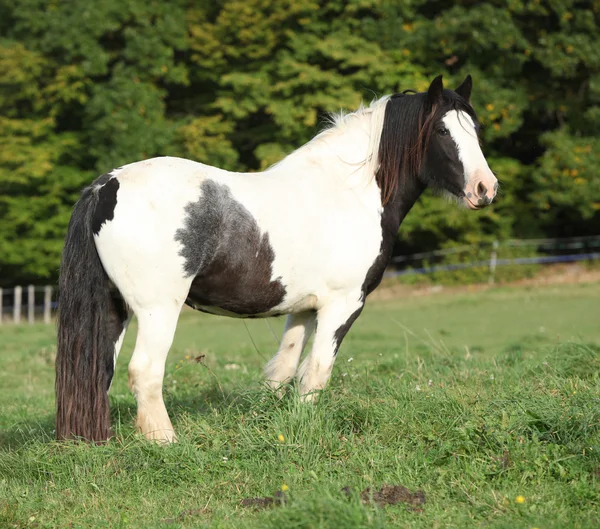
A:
(464, 90)
(436, 90)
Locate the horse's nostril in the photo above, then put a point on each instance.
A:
(481, 189)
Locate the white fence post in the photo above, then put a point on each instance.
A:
(30, 304)
(47, 303)
(18, 293)
(493, 260)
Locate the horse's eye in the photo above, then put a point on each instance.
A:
(443, 131)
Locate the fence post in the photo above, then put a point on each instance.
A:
(30, 304)
(18, 292)
(1, 298)
(493, 259)
(47, 303)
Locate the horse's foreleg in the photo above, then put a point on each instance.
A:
(156, 327)
(333, 322)
(282, 367)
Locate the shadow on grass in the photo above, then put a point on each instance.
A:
(545, 419)
(123, 409)
(40, 430)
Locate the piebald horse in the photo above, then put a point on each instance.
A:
(310, 237)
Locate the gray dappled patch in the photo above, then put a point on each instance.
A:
(231, 259)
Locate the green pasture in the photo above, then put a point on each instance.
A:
(488, 402)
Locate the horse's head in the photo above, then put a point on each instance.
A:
(452, 159)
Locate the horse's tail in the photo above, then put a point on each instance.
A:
(85, 351)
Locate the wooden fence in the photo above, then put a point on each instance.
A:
(38, 304)
(30, 304)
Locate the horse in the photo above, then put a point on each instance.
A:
(310, 238)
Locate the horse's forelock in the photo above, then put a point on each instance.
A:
(400, 154)
(407, 129)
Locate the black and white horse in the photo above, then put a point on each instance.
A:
(310, 237)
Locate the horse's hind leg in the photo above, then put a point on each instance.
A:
(156, 328)
(282, 367)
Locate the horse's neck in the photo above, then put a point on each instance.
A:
(347, 156)
(339, 155)
(396, 210)
(391, 217)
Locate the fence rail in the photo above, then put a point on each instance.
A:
(493, 262)
(41, 301)
(563, 248)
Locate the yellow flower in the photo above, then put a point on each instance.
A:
(489, 107)
(281, 438)
(520, 499)
(284, 487)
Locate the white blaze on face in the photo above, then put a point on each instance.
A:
(480, 182)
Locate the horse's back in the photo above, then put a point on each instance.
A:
(239, 244)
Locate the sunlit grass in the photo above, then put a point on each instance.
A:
(487, 402)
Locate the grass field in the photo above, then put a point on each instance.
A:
(487, 402)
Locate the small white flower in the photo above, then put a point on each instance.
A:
(225, 458)
(350, 359)
(230, 367)
(492, 377)
(430, 383)
(418, 388)
(344, 374)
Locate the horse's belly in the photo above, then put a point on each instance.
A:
(305, 304)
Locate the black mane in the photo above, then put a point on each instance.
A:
(407, 127)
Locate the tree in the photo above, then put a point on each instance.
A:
(89, 86)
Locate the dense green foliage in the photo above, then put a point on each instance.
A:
(475, 415)
(87, 86)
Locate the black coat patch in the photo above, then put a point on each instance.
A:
(225, 251)
(392, 216)
(107, 201)
(342, 330)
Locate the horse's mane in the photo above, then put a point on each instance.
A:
(401, 126)
(407, 127)
(342, 118)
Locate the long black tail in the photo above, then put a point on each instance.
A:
(89, 315)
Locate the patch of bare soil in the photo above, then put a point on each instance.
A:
(188, 513)
(391, 495)
(386, 495)
(263, 502)
(504, 460)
